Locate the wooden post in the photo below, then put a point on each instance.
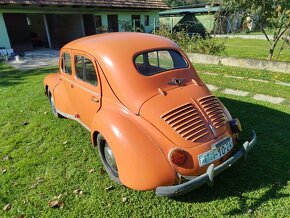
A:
(134, 25)
(171, 25)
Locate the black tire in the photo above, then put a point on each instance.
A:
(52, 105)
(108, 159)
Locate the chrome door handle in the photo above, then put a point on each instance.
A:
(94, 99)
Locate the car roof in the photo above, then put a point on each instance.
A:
(115, 54)
(119, 43)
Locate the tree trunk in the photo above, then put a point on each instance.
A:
(276, 39)
(271, 51)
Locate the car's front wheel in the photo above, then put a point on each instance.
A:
(108, 159)
(53, 109)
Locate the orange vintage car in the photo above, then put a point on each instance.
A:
(154, 122)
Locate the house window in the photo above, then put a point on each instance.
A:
(85, 70)
(136, 22)
(146, 20)
(98, 19)
(66, 63)
(113, 23)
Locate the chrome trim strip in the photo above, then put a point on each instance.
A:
(63, 77)
(86, 89)
(78, 85)
(69, 116)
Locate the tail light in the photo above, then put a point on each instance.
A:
(236, 125)
(177, 156)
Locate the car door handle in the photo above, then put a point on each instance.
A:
(94, 99)
(72, 85)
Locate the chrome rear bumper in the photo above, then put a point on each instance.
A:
(207, 177)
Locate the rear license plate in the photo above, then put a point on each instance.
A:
(221, 149)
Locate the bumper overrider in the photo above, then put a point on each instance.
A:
(208, 177)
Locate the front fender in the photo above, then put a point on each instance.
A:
(59, 92)
(141, 163)
(51, 81)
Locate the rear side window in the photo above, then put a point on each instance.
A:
(153, 62)
(66, 63)
(85, 70)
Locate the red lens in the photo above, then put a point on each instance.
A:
(177, 156)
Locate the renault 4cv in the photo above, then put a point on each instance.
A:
(153, 121)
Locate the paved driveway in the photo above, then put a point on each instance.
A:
(36, 59)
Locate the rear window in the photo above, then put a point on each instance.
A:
(153, 62)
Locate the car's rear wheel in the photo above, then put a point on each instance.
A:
(53, 109)
(108, 159)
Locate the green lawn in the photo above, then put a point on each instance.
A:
(244, 72)
(270, 88)
(253, 48)
(43, 158)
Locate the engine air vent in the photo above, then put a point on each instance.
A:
(211, 105)
(186, 121)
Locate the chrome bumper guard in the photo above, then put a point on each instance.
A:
(208, 177)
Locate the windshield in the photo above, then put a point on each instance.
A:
(153, 62)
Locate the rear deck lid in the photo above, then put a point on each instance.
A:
(187, 115)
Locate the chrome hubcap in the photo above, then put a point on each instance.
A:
(52, 103)
(110, 159)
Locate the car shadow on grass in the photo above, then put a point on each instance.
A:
(267, 169)
(10, 76)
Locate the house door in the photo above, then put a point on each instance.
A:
(136, 23)
(64, 28)
(37, 30)
(18, 32)
(89, 24)
(113, 25)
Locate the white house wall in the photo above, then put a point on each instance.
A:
(124, 15)
(127, 17)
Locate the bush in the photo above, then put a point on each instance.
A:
(194, 43)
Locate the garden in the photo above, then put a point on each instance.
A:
(49, 169)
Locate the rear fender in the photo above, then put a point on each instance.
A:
(141, 163)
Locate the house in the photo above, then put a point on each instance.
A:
(201, 19)
(28, 24)
(195, 19)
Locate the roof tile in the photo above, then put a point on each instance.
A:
(144, 4)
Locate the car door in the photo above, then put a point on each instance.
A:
(63, 99)
(86, 90)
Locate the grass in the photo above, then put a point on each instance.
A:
(253, 48)
(244, 72)
(42, 158)
(270, 88)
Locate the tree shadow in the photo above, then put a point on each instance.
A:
(10, 76)
(267, 166)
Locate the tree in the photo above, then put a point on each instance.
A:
(271, 14)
